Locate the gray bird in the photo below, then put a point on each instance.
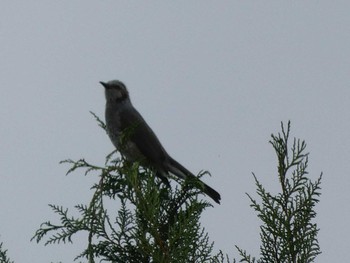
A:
(136, 141)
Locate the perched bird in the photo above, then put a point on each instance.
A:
(136, 141)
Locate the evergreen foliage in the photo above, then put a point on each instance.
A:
(150, 222)
(3, 255)
(154, 223)
(288, 233)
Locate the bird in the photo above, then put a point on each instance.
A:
(136, 141)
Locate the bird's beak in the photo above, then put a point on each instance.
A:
(104, 84)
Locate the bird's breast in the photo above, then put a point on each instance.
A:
(116, 132)
(113, 126)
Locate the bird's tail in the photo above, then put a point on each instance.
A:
(178, 170)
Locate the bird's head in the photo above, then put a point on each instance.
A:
(115, 91)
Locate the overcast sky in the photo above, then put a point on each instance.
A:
(213, 79)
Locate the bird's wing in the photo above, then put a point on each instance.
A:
(138, 132)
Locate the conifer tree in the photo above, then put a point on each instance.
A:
(288, 232)
(154, 223)
(158, 224)
(3, 255)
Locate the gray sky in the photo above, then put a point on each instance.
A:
(213, 80)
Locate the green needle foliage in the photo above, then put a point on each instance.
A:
(133, 217)
(153, 223)
(3, 255)
(288, 233)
